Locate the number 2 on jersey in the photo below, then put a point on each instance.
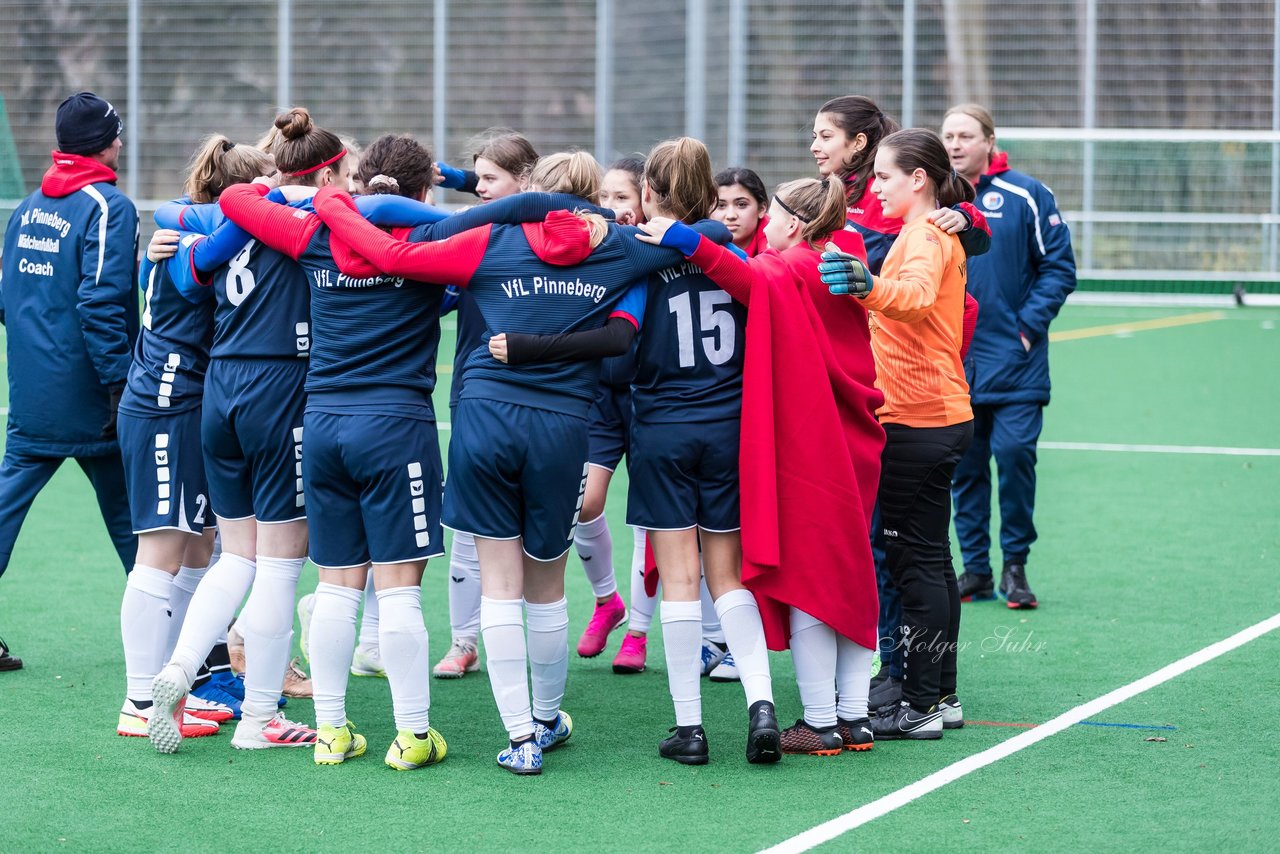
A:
(717, 330)
(240, 282)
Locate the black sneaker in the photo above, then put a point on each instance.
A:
(975, 587)
(686, 745)
(888, 694)
(1014, 589)
(806, 739)
(906, 722)
(7, 661)
(764, 741)
(857, 735)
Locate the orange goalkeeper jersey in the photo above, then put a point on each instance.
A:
(917, 314)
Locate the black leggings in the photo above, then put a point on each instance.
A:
(915, 510)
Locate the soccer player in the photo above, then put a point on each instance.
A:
(742, 205)
(806, 549)
(917, 316)
(1021, 284)
(252, 433)
(846, 134)
(518, 456)
(502, 159)
(371, 461)
(69, 304)
(683, 466)
(159, 427)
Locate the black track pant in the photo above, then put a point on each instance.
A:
(915, 510)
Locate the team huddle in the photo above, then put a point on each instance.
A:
(783, 375)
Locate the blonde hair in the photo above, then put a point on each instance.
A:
(219, 163)
(678, 172)
(576, 173)
(982, 116)
(819, 205)
(597, 226)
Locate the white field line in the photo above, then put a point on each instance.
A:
(1159, 449)
(829, 830)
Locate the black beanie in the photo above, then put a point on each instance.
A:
(86, 124)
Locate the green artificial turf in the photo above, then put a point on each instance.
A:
(1142, 559)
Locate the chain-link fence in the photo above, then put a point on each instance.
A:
(1157, 123)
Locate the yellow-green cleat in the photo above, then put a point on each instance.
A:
(408, 751)
(337, 744)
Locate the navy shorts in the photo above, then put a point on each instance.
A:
(374, 485)
(516, 471)
(684, 475)
(252, 433)
(610, 431)
(164, 472)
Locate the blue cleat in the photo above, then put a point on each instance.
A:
(524, 758)
(213, 692)
(549, 738)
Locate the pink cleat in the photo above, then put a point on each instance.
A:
(606, 618)
(630, 659)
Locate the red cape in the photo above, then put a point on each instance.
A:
(810, 454)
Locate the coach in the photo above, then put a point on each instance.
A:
(1020, 285)
(69, 303)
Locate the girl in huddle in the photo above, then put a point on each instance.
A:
(252, 437)
(159, 426)
(502, 160)
(810, 459)
(610, 437)
(683, 465)
(917, 317)
(743, 207)
(518, 455)
(372, 459)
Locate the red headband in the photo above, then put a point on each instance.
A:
(332, 160)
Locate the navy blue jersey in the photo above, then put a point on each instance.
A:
(375, 338)
(690, 352)
(263, 306)
(544, 298)
(369, 332)
(172, 353)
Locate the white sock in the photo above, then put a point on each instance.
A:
(502, 623)
(710, 619)
(402, 637)
(594, 544)
(743, 631)
(212, 606)
(332, 640)
(682, 642)
(266, 622)
(144, 627)
(813, 649)
(642, 604)
(369, 619)
(464, 588)
(184, 587)
(548, 655)
(853, 678)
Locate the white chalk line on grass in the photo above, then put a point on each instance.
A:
(1160, 449)
(829, 830)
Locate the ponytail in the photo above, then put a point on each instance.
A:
(820, 205)
(396, 165)
(219, 163)
(920, 148)
(678, 172)
(576, 173)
